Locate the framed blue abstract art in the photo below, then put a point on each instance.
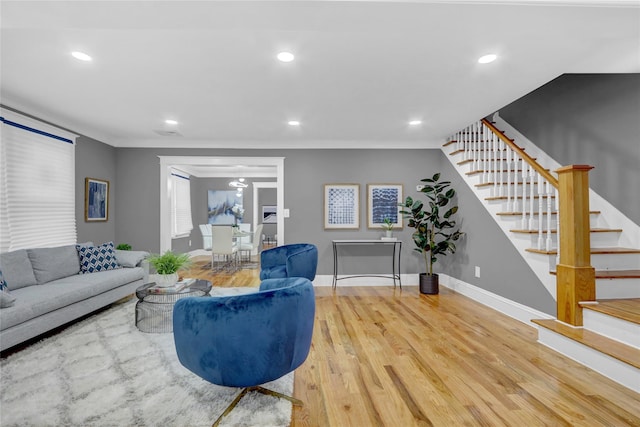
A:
(383, 202)
(342, 206)
(96, 200)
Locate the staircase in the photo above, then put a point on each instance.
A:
(524, 197)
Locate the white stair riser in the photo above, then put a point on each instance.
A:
(612, 368)
(612, 327)
(615, 261)
(598, 240)
(617, 288)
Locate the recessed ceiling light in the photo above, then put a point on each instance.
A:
(171, 122)
(285, 56)
(487, 58)
(293, 123)
(415, 122)
(81, 56)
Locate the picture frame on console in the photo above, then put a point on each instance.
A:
(383, 201)
(342, 206)
(96, 200)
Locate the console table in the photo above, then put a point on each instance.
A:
(395, 259)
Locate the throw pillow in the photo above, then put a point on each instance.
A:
(6, 299)
(97, 258)
(130, 258)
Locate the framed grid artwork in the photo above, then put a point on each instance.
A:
(342, 206)
(383, 202)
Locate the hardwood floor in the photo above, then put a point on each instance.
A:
(388, 357)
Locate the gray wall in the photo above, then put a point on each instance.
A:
(504, 272)
(95, 160)
(589, 119)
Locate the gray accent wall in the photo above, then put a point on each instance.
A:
(591, 119)
(95, 160)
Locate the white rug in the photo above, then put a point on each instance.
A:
(104, 372)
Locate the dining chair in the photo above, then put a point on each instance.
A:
(205, 230)
(252, 247)
(223, 248)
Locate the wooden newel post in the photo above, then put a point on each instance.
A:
(576, 279)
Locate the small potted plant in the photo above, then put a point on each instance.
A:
(387, 224)
(167, 266)
(435, 227)
(124, 247)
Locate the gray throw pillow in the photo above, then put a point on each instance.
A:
(130, 258)
(54, 263)
(6, 299)
(16, 269)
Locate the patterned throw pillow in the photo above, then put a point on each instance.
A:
(97, 258)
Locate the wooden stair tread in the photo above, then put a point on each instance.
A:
(608, 346)
(614, 274)
(593, 230)
(597, 251)
(477, 171)
(463, 162)
(446, 144)
(625, 309)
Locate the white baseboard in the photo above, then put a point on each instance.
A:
(505, 306)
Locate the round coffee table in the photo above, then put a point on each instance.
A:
(154, 309)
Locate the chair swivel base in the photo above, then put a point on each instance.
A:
(259, 389)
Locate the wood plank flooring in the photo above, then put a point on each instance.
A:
(388, 357)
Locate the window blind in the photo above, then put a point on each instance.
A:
(37, 184)
(181, 224)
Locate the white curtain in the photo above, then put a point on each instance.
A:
(180, 194)
(37, 184)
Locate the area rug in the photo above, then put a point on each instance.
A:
(103, 371)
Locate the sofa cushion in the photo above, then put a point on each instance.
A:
(130, 258)
(54, 263)
(17, 270)
(97, 258)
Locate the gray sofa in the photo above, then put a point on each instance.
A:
(51, 287)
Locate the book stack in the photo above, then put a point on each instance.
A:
(180, 286)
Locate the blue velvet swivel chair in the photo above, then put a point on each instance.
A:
(295, 260)
(249, 339)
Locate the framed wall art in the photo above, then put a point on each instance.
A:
(269, 215)
(96, 200)
(342, 206)
(383, 202)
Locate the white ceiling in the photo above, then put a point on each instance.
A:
(363, 69)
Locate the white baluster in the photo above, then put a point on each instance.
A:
(555, 193)
(532, 176)
(509, 179)
(487, 153)
(549, 216)
(540, 211)
(502, 171)
(525, 175)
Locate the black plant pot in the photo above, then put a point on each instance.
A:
(429, 284)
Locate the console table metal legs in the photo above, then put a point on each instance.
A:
(395, 259)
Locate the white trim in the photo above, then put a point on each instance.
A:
(166, 162)
(612, 327)
(505, 306)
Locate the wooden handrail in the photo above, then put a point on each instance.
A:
(527, 158)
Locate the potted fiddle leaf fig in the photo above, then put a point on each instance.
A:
(167, 266)
(435, 228)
